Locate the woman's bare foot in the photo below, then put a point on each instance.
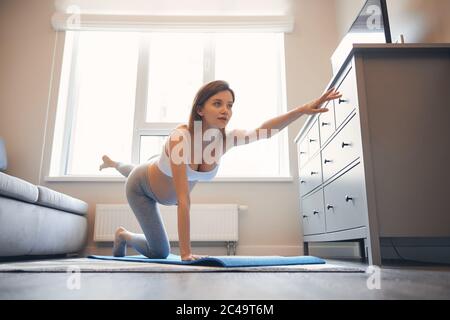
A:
(120, 243)
(107, 163)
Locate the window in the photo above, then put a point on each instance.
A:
(121, 93)
(175, 63)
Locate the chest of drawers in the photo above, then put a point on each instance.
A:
(376, 165)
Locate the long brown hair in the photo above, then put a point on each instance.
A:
(203, 94)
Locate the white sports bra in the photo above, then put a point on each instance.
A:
(163, 164)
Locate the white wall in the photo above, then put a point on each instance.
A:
(418, 20)
(26, 48)
(27, 42)
(346, 12)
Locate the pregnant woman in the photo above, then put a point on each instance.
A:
(190, 154)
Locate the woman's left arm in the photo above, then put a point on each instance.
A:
(274, 125)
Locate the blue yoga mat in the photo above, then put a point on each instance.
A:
(223, 261)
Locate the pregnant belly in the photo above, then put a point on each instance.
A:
(163, 186)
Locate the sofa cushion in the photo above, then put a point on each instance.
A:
(17, 188)
(3, 158)
(57, 200)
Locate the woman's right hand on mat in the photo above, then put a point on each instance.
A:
(192, 257)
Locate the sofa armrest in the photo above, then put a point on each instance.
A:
(57, 200)
(15, 188)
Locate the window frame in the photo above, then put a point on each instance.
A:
(72, 98)
(142, 128)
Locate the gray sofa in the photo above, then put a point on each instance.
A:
(38, 221)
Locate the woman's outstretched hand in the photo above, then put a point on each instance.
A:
(316, 105)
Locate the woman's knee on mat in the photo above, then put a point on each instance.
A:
(161, 253)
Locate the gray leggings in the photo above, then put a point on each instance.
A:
(154, 243)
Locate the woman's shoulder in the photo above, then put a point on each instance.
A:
(174, 135)
(182, 126)
(180, 131)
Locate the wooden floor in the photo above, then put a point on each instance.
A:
(397, 282)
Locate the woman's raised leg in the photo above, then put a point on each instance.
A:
(124, 168)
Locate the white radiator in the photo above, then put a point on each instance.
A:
(209, 222)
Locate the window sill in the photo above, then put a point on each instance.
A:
(83, 179)
(121, 179)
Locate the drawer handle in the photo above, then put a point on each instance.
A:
(305, 216)
(327, 161)
(312, 140)
(346, 144)
(315, 212)
(302, 152)
(325, 124)
(329, 207)
(343, 101)
(347, 199)
(302, 181)
(313, 173)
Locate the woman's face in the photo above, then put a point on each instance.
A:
(217, 110)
